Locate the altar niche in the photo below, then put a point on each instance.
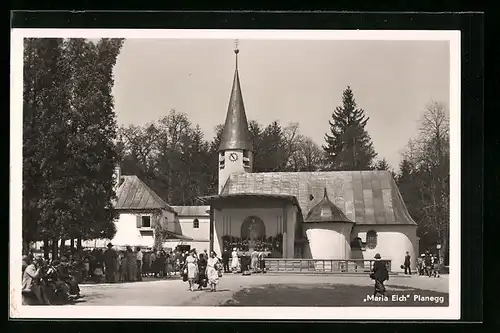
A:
(253, 228)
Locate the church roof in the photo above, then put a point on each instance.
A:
(365, 197)
(236, 134)
(134, 194)
(192, 210)
(326, 211)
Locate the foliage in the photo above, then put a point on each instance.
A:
(68, 133)
(424, 178)
(382, 165)
(348, 146)
(173, 158)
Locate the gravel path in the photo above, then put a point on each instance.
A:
(175, 292)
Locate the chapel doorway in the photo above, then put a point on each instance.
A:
(253, 229)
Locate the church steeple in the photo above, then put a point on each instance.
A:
(235, 150)
(235, 134)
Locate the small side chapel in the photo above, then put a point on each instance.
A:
(319, 215)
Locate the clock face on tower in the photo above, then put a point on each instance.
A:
(233, 157)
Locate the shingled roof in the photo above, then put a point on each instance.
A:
(326, 211)
(365, 197)
(134, 194)
(192, 210)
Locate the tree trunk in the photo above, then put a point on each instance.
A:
(62, 247)
(55, 249)
(446, 257)
(79, 244)
(26, 246)
(72, 244)
(46, 248)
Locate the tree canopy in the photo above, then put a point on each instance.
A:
(348, 145)
(69, 130)
(172, 156)
(424, 178)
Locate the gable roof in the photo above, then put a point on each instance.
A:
(365, 197)
(326, 211)
(192, 210)
(133, 193)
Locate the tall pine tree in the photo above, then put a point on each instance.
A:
(348, 146)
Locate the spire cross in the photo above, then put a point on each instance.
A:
(236, 51)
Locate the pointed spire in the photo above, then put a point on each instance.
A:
(235, 134)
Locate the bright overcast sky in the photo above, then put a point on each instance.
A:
(289, 81)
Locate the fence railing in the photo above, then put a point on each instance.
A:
(322, 265)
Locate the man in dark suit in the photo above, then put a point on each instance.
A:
(407, 263)
(225, 260)
(379, 274)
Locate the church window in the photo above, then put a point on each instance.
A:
(144, 221)
(221, 160)
(371, 239)
(325, 211)
(246, 159)
(196, 224)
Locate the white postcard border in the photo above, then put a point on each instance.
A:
(17, 310)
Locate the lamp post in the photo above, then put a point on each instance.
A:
(438, 247)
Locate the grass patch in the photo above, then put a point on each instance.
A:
(333, 295)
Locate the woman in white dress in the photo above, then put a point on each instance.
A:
(192, 269)
(234, 260)
(213, 268)
(254, 257)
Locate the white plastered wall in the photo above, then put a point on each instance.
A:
(392, 243)
(329, 240)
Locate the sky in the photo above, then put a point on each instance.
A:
(289, 81)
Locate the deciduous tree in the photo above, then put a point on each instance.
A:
(424, 177)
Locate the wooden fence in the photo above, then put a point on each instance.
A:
(321, 266)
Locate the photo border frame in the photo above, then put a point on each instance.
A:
(471, 27)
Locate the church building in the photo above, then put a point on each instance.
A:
(311, 215)
(318, 215)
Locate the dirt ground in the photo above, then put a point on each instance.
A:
(265, 289)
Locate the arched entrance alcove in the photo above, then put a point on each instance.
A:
(253, 228)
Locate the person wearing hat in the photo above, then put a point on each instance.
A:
(110, 264)
(63, 269)
(32, 292)
(225, 260)
(407, 265)
(380, 275)
(420, 263)
(25, 263)
(428, 263)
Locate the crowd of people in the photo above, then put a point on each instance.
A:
(201, 269)
(428, 265)
(127, 265)
(56, 281)
(246, 262)
(135, 264)
(48, 282)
